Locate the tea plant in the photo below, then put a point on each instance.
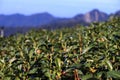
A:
(80, 53)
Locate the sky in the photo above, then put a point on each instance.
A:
(58, 8)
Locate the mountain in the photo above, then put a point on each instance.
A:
(117, 13)
(95, 16)
(82, 19)
(18, 20)
(22, 23)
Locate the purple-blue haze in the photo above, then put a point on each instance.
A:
(60, 8)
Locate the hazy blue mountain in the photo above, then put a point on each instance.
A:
(18, 20)
(22, 23)
(117, 13)
(82, 19)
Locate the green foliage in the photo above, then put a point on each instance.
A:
(86, 53)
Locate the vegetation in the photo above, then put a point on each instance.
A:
(80, 53)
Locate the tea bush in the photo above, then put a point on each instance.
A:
(80, 53)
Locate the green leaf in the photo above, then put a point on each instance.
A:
(58, 63)
(34, 70)
(114, 74)
(86, 49)
(12, 60)
(87, 76)
(7, 78)
(109, 64)
(99, 74)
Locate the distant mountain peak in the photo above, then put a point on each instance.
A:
(42, 14)
(95, 10)
(95, 16)
(17, 15)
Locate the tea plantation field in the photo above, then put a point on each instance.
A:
(79, 53)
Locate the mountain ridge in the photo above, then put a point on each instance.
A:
(45, 18)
